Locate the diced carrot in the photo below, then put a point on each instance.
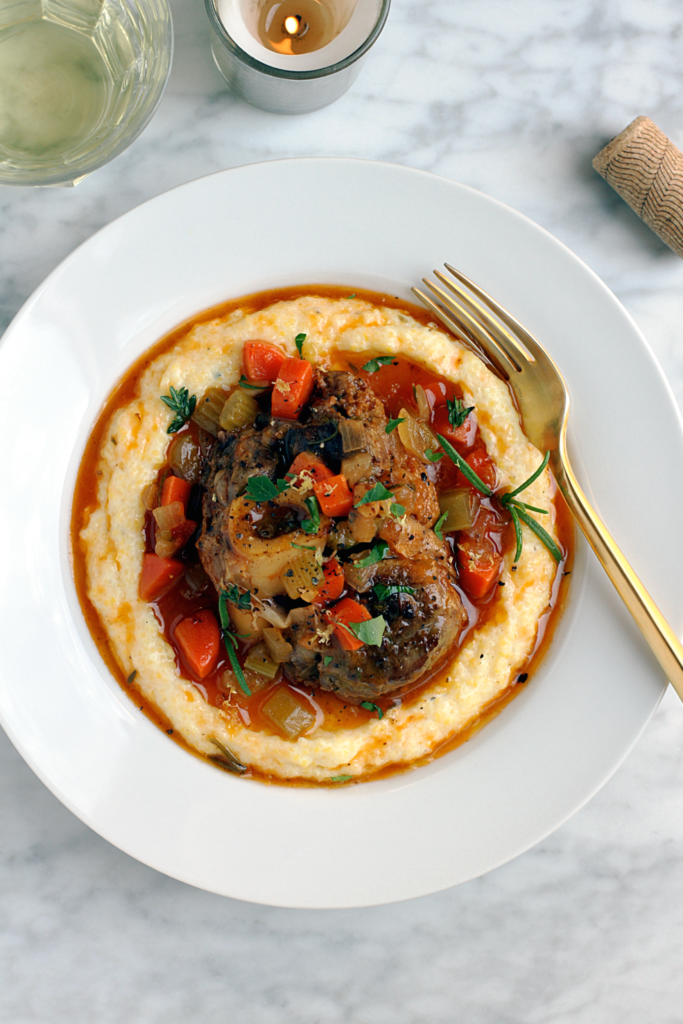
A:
(333, 586)
(348, 610)
(483, 465)
(334, 495)
(175, 489)
(463, 437)
(262, 361)
(479, 566)
(158, 575)
(199, 640)
(307, 463)
(292, 389)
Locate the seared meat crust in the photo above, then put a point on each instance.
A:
(420, 627)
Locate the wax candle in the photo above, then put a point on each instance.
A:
(293, 56)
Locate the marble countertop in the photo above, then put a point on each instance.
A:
(514, 99)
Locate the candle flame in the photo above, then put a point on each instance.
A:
(292, 24)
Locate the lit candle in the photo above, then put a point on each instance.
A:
(293, 56)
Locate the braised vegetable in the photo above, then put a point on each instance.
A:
(357, 467)
(303, 577)
(199, 639)
(292, 388)
(307, 463)
(262, 361)
(343, 614)
(259, 660)
(175, 489)
(278, 648)
(416, 436)
(333, 584)
(334, 496)
(239, 410)
(353, 436)
(168, 516)
(184, 456)
(207, 413)
(288, 713)
(423, 407)
(158, 575)
(460, 506)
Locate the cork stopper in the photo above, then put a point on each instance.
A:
(646, 169)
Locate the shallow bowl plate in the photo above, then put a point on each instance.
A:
(365, 225)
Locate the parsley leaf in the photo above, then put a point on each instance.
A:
(397, 510)
(372, 707)
(384, 591)
(371, 631)
(340, 778)
(230, 641)
(373, 365)
(327, 659)
(392, 424)
(376, 493)
(182, 403)
(457, 413)
(261, 488)
(304, 547)
(352, 296)
(242, 601)
(433, 456)
(299, 342)
(464, 468)
(377, 552)
(312, 524)
(439, 524)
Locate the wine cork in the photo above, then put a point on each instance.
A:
(646, 169)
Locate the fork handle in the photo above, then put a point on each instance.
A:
(658, 635)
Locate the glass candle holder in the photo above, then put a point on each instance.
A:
(293, 56)
(79, 80)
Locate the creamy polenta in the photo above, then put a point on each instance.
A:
(132, 451)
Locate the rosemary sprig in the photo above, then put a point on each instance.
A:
(457, 413)
(230, 641)
(518, 511)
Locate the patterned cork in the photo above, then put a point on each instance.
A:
(646, 169)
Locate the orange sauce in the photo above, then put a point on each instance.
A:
(395, 384)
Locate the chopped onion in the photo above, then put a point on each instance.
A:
(272, 613)
(166, 548)
(184, 456)
(352, 435)
(150, 495)
(288, 713)
(461, 505)
(416, 436)
(356, 467)
(303, 577)
(168, 516)
(240, 410)
(359, 577)
(259, 661)
(278, 648)
(423, 409)
(207, 414)
(364, 524)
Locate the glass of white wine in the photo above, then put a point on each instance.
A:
(79, 80)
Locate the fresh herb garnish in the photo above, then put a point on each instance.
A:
(242, 601)
(352, 296)
(518, 511)
(341, 778)
(312, 524)
(464, 468)
(370, 632)
(369, 706)
(457, 413)
(261, 488)
(244, 383)
(438, 525)
(230, 640)
(384, 591)
(392, 424)
(304, 547)
(397, 510)
(377, 493)
(377, 552)
(327, 659)
(132, 676)
(182, 403)
(433, 456)
(299, 342)
(373, 365)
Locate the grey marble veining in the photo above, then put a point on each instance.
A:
(513, 99)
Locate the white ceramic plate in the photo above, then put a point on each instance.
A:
(362, 225)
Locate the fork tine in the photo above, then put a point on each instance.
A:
(515, 352)
(451, 323)
(508, 319)
(496, 354)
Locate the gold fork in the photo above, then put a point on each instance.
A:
(543, 401)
